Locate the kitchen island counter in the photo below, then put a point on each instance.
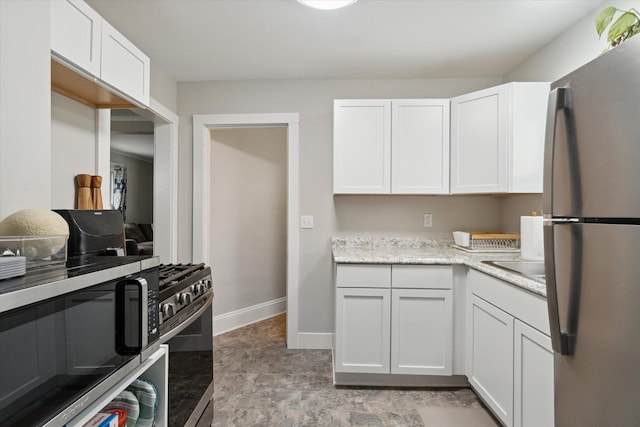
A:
(383, 250)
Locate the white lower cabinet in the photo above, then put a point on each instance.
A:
(363, 324)
(533, 379)
(384, 329)
(509, 355)
(490, 356)
(421, 331)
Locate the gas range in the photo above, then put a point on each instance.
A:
(185, 291)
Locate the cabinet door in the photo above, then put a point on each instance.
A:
(490, 356)
(527, 120)
(420, 146)
(75, 34)
(533, 378)
(421, 331)
(479, 142)
(124, 66)
(362, 146)
(363, 321)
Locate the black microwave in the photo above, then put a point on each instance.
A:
(58, 355)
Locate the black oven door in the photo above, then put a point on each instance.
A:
(191, 368)
(53, 352)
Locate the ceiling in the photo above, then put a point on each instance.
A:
(132, 135)
(197, 40)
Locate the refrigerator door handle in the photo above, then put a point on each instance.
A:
(561, 341)
(558, 100)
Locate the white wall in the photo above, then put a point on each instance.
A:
(313, 100)
(139, 184)
(25, 105)
(574, 48)
(404, 215)
(248, 216)
(73, 148)
(515, 206)
(163, 88)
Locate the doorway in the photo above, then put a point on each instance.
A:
(202, 124)
(165, 173)
(131, 166)
(248, 224)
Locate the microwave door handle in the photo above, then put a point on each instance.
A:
(144, 313)
(123, 319)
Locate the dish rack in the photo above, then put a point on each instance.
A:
(479, 241)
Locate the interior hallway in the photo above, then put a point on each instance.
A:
(258, 382)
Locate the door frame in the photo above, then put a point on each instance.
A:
(202, 123)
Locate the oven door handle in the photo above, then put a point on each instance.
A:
(126, 318)
(188, 321)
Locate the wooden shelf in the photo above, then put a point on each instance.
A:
(75, 86)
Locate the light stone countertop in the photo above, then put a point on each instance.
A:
(385, 250)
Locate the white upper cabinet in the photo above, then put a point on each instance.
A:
(362, 146)
(76, 34)
(83, 40)
(391, 146)
(420, 146)
(124, 66)
(497, 139)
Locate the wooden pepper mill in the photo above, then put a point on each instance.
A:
(96, 192)
(85, 200)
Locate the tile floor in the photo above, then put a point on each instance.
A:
(258, 382)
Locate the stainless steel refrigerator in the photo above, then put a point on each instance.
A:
(591, 228)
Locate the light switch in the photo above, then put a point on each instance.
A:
(306, 221)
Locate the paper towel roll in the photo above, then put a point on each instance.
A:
(531, 240)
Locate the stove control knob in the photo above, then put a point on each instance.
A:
(201, 288)
(167, 310)
(184, 298)
(195, 289)
(207, 284)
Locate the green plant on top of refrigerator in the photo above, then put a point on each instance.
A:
(626, 26)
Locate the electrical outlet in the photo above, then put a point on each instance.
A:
(306, 221)
(428, 220)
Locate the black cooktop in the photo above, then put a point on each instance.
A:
(74, 266)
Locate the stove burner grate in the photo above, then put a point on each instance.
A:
(170, 274)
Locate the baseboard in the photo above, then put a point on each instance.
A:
(246, 316)
(399, 380)
(315, 341)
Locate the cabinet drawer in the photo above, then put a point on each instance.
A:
(528, 307)
(363, 276)
(422, 276)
